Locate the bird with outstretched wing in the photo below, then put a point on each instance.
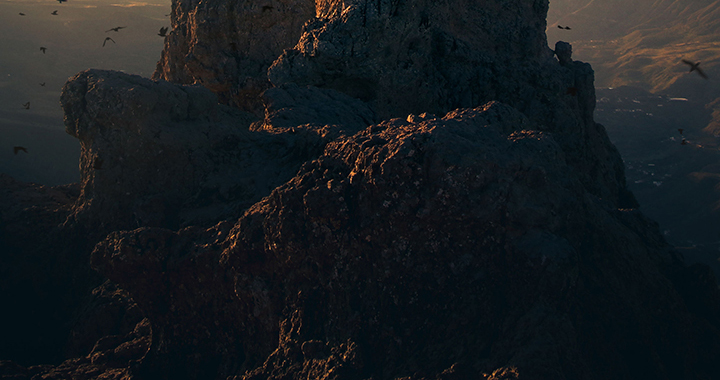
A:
(694, 67)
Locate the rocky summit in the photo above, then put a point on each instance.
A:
(347, 190)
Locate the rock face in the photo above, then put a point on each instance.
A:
(228, 45)
(416, 57)
(409, 247)
(161, 155)
(424, 195)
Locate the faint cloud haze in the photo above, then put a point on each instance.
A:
(73, 38)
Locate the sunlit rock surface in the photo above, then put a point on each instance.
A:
(228, 45)
(162, 155)
(409, 247)
(416, 192)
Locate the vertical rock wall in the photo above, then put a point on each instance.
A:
(227, 45)
(400, 57)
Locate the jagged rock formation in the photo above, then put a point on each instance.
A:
(411, 246)
(161, 155)
(424, 56)
(228, 45)
(365, 226)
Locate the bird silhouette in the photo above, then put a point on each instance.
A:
(27, 105)
(567, 28)
(54, 13)
(21, 14)
(680, 130)
(108, 39)
(61, 1)
(43, 48)
(115, 29)
(560, 27)
(694, 67)
(42, 84)
(16, 149)
(97, 163)
(163, 32)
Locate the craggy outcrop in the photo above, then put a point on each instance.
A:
(162, 155)
(418, 191)
(227, 46)
(402, 58)
(414, 245)
(427, 56)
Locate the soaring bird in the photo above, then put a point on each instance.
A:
(694, 67)
(43, 48)
(108, 39)
(16, 149)
(54, 13)
(567, 28)
(42, 84)
(21, 14)
(115, 29)
(560, 27)
(27, 105)
(163, 32)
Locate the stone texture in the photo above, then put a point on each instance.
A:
(411, 246)
(425, 56)
(423, 193)
(228, 45)
(162, 155)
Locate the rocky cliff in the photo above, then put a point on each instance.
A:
(393, 190)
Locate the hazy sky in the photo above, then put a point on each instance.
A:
(73, 39)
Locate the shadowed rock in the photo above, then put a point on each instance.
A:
(171, 156)
(421, 198)
(411, 246)
(227, 46)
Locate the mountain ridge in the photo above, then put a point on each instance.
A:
(464, 218)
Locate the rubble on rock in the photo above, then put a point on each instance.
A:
(409, 191)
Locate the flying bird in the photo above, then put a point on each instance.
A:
(42, 84)
(115, 29)
(694, 67)
(61, 1)
(27, 105)
(97, 163)
(21, 14)
(680, 130)
(54, 13)
(567, 28)
(43, 48)
(16, 149)
(163, 32)
(108, 39)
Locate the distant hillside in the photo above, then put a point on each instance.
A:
(641, 42)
